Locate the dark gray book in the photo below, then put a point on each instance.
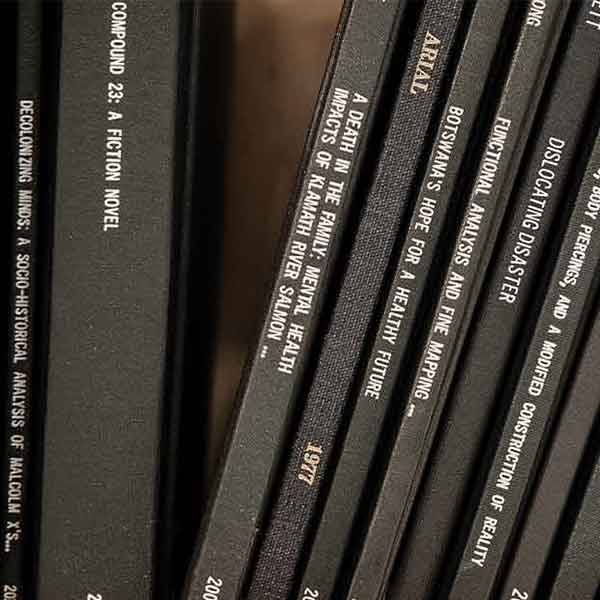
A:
(540, 206)
(565, 455)
(205, 72)
(470, 256)
(17, 521)
(114, 264)
(414, 269)
(579, 574)
(321, 205)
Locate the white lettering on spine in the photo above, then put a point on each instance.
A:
(314, 229)
(114, 135)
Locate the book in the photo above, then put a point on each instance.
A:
(320, 209)
(534, 403)
(539, 208)
(114, 255)
(51, 33)
(579, 572)
(382, 214)
(22, 382)
(470, 257)
(210, 66)
(557, 477)
(394, 338)
(204, 67)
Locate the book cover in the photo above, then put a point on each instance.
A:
(112, 268)
(203, 64)
(557, 476)
(211, 46)
(579, 572)
(22, 379)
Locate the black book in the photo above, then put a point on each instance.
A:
(115, 256)
(579, 572)
(381, 215)
(402, 312)
(470, 257)
(321, 205)
(538, 392)
(208, 117)
(21, 397)
(499, 330)
(565, 455)
(202, 108)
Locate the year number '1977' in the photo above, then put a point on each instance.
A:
(310, 464)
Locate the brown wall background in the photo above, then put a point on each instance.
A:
(280, 50)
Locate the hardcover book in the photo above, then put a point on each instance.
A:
(114, 265)
(579, 572)
(17, 527)
(561, 465)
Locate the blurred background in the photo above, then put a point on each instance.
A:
(279, 56)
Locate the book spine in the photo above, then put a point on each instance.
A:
(401, 311)
(549, 501)
(208, 113)
(321, 206)
(505, 308)
(579, 572)
(469, 260)
(204, 35)
(113, 254)
(381, 216)
(539, 388)
(16, 527)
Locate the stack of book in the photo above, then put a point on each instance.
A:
(419, 416)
